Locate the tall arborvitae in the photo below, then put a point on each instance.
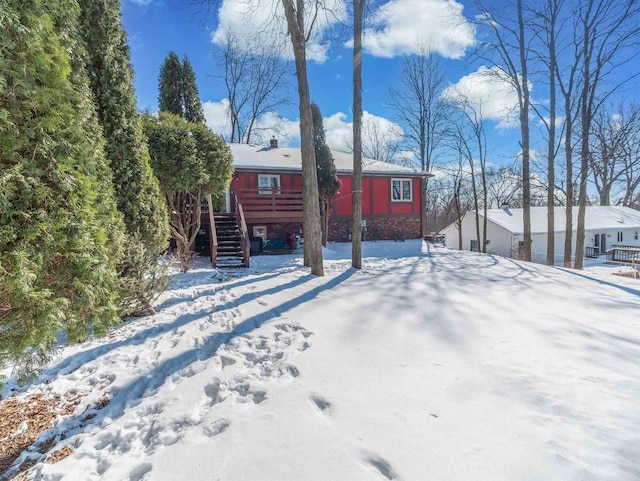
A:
(178, 90)
(137, 191)
(328, 181)
(192, 105)
(60, 232)
(111, 79)
(170, 97)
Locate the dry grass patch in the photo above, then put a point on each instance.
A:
(22, 421)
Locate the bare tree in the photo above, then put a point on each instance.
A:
(631, 180)
(608, 31)
(547, 31)
(470, 141)
(381, 140)
(504, 187)
(421, 112)
(299, 32)
(510, 51)
(612, 135)
(567, 78)
(356, 230)
(256, 78)
(301, 17)
(461, 199)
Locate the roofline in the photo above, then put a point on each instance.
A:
(521, 232)
(399, 173)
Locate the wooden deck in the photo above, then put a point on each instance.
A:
(626, 254)
(273, 204)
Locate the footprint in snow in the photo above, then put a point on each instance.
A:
(213, 391)
(380, 464)
(320, 402)
(102, 466)
(139, 473)
(217, 427)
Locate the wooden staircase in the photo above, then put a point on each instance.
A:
(229, 252)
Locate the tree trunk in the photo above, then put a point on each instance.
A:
(585, 125)
(356, 232)
(524, 127)
(424, 184)
(551, 148)
(310, 201)
(569, 202)
(324, 219)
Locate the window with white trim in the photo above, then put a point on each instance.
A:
(268, 184)
(619, 236)
(401, 190)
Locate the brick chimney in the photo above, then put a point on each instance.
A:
(273, 143)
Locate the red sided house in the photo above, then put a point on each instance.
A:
(265, 201)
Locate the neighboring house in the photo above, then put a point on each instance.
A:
(605, 228)
(267, 181)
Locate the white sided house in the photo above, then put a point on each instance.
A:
(606, 229)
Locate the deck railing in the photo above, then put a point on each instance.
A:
(213, 237)
(618, 253)
(245, 242)
(270, 201)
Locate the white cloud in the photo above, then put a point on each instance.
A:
(379, 135)
(273, 125)
(399, 27)
(488, 92)
(216, 115)
(270, 124)
(263, 21)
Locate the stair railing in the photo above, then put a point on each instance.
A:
(213, 237)
(245, 242)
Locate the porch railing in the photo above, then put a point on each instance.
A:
(618, 253)
(270, 199)
(245, 242)
(213, 237)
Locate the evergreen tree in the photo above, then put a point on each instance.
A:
(178, 90)
(170, 97)
(190, 162)
(137, 191)
(111, 79)
(60, 232)
(328, 181)
(192, 106)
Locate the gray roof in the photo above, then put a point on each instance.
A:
(289, 158)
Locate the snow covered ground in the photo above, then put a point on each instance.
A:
(428, 364)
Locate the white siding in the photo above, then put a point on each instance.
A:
(505, 243)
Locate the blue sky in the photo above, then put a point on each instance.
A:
(156, 27)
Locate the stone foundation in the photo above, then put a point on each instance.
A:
(378, 228)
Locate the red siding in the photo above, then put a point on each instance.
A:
(376, 194)
(381, 195)
(366, 195)
(343, 199)
(417, 195)
(401, 208)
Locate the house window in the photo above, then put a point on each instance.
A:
(401, 190)
(473, 247)
(635, 236)
(269, 184)
(619, 236)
